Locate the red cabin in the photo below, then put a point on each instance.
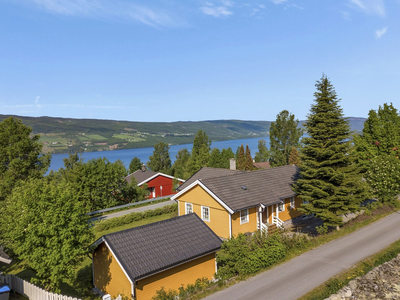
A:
(158, 184)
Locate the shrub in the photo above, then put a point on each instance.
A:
(367, 212)
(323, 229)
(247, 255)
(136, 216)
(182, 293)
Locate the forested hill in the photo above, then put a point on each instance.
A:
(69, 135)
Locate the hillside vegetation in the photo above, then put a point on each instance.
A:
(63, 135)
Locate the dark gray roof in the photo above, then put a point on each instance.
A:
(249, 189)
(206, 173)
(4, 257)
(151, 248)
(140, 176)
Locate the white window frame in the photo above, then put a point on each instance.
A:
(281, 206)
(292, 203)
(246, 220)
(186, 208)
(202, 213)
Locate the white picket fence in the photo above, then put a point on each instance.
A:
(29, 290)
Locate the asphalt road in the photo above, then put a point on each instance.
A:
(295, 278)
(125, 212)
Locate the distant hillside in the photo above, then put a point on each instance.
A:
(61, 135)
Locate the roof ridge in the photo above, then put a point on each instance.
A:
(146, 225)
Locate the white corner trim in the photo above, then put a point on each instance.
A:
(159, 174)
(116, 258)
(179, 211)
(198, 182)
(230, 225)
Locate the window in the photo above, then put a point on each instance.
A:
(305, 202)
(205, 213)
(244, 216)
(189, 208)
(281, 207)
(292, 204)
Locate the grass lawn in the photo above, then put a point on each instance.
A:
(51, 139)
(96, 137)
(128, 137)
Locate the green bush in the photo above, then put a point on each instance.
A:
(182, 293)
(136, 216)
(247, 255)
(323, 229)
(367, 212)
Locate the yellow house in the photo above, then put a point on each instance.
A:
(232, 202)
(139, 261)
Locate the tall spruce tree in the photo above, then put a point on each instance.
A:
(294, 158)
(284, 134)
(330, 182)
(241, 160)
(249, 160)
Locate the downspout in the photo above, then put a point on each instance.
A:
(230, 225)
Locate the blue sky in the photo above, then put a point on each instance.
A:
(168, 60)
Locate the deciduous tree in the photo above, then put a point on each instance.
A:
(160, 161)
(215, 158)
(263, 154)
(180, 168)
(284, 134)
(20, 155)
(45, 224)
(330, 182)
(226, 155)
(135, 165)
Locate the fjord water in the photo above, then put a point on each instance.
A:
(143, 154)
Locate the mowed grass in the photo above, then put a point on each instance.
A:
(91, 137)
(81, 285)
(51, 139)
(129, 138)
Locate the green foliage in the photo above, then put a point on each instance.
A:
(323, 229)
(180, 168)
(241, 159)
(215, 160)
(263, 154)
(160, 161)
(249, 254)
(101, 184)
(183, 292)
(383, 177)
(45, 225)
(226, 155)
(200, 152)
(20, 156)
(249, 160)
(136, 216)
(380, 135)
(284, 134)
(294, 158)
(135, 165)
(330, 180)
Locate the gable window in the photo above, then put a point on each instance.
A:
(205, 213)
(292, 204)
(281, 207)
(189, 208)
(244, 216)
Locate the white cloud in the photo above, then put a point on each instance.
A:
(106, 9)
(369, 6)
(346, 15)
(380, 33)
(223, 10)
(278, 1)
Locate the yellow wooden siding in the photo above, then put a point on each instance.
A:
(219, 216)
(250, 226)
(176, 277)
(108, 275)
(290, 213)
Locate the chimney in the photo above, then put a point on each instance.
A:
(232, 164)
(143, 168)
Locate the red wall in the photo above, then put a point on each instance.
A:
(166, 184)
